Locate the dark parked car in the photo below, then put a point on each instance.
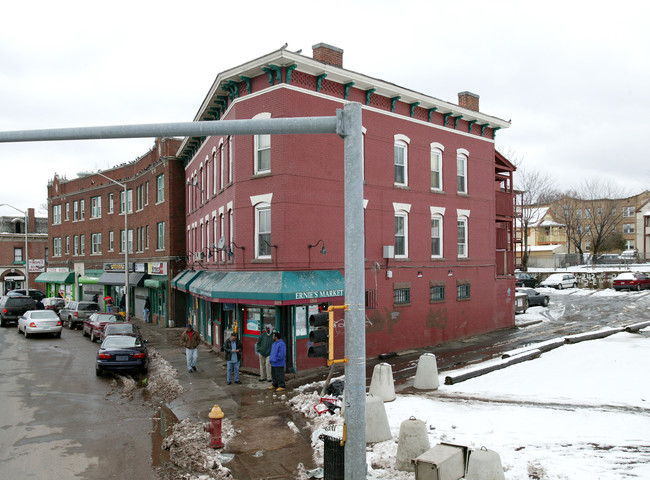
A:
(119, 329)
(13, 307)
(96, 322)
(534, 297)
(35, 294)
(75, 312)
(631, 281)
(53, 303)
(122, 352)
(525, 280)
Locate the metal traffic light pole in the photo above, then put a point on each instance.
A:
(346, 123)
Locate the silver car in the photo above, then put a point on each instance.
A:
(40, 321)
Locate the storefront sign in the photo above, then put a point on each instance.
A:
(157, 268)
(319, 294)
(36, 265)
(58, 269)
(116, 267)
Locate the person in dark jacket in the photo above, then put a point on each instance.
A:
(263, 350)
(146, 309)
(233, 348)
(278, 362)
(191, 341)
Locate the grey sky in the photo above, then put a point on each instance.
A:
(572, 76)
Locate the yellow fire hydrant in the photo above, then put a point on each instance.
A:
(214, 427)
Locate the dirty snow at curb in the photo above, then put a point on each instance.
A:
(578, 412)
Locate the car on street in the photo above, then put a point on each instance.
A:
(95, 323)
(40, 321)
(535, 298)
(119, 329)
(560, 281)
(75, 312)
(13, 307)
(53, 303)
(122, 353)
(524, 279)
(35, 294)
(631, 281)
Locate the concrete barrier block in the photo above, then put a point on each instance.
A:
(413, 442)
(426, 375)
(382, 384)
(377, 427)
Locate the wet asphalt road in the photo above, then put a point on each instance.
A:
(59, 421)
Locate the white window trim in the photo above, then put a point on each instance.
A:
(439, 213)
(256, 171)
(438, 149)
(465, 220)
(265, 198)
(258, 208)
(403, 210)
(402, 140)
(465, 154)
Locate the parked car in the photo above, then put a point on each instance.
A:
(560, 281)
(75, 312)
(122, 352)
(630, 256)
(525, 280)
(521, 302)
(35, 294)
(40, 321)
(534, 297)
(96, 322)
(631, 281)
(119, 329)
(13, 307)
(54, 303)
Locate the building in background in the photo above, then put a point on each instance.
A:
(265, 214)
(12, 249)
(87, 236)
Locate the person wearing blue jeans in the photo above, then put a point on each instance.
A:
(191, 341)
(233, 348)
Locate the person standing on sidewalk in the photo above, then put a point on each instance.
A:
(263, 350)
(233, 348)
(191, 340)
(277, 358)
(147, 309)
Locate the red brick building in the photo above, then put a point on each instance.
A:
(12, 249)
(265, 213)
(87, 233)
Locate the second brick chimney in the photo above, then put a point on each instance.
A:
(328, 54)
(468, 100)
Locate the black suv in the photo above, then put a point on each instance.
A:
(525, 280)
(13, 307)
(35, 294)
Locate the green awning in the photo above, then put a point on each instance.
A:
(56, 277)
(286, 287)
(86, 280)
(183, 280)
(155, 284)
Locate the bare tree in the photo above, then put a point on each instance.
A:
(567, 210)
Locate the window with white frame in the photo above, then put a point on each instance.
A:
(263, 230)
(96, 243)
(95, 207)
(67, 211)
(111, 241)
(160, 188)
(146, 237)
(628, 228)
(82, 244)
(230, 163)
(222, 165)
(56, 214)
(75, 211)
(436, 236)
(436, 166)
(67, 245)
(160, 236)
(462, 237)
(75, 243)
(401, 234)
(629, 245)
(111, 199)
(628, 211)
(461, 170)
(262, 149)
(222, 227)
(18, 255)
(56, 246)
(400, 159)
(82, 209)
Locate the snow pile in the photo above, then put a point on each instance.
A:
(188, 449)
(163, 378)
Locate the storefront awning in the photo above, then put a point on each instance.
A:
(155, 284)
(284, 287)
(56, 277)
(86, 280)
(184, 279)
(137, 279)
(117, 279)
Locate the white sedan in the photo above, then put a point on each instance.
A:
(40, 321)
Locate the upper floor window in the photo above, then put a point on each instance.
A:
(263, 230)
(461, 170)
(110, 202)
(129, 201)
(18, 255)
(82, 209)
(462, 291)
(401, 229)
(146, 192)
(95, 207)
(111, 241)
(400, 159)
(628, 228)
(82, 244)
(67, 211)
(67, 245)
(160, 188)
(436, 236)
(436, 293)
(75, 243)
(436, 166)
(160, 236)
(56, 214)
(75, 211)
(262, 149)
(462, 237)
(96, 243)
(230, 162)
(628, 211)
(56, 246)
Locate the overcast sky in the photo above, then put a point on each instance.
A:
(573, 76)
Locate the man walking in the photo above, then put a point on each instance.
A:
(191, 340)
(147, 309)
(263, 350)
(233, 348)
(277, 359)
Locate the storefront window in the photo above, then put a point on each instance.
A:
(255, 317)
(302, 318)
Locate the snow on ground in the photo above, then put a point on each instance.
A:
(581, 411)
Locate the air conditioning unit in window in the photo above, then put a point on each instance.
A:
(197, 256)
(389, 251)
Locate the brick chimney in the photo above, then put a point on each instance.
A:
(468, 100)
(328, 54)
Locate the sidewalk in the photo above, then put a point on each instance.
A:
(265, 446)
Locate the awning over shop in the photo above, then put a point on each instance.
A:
(117, 279)
(137, 279)
(86, 280)
(56, 277)
(286, 287)
(155, 284)
(183, 280)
